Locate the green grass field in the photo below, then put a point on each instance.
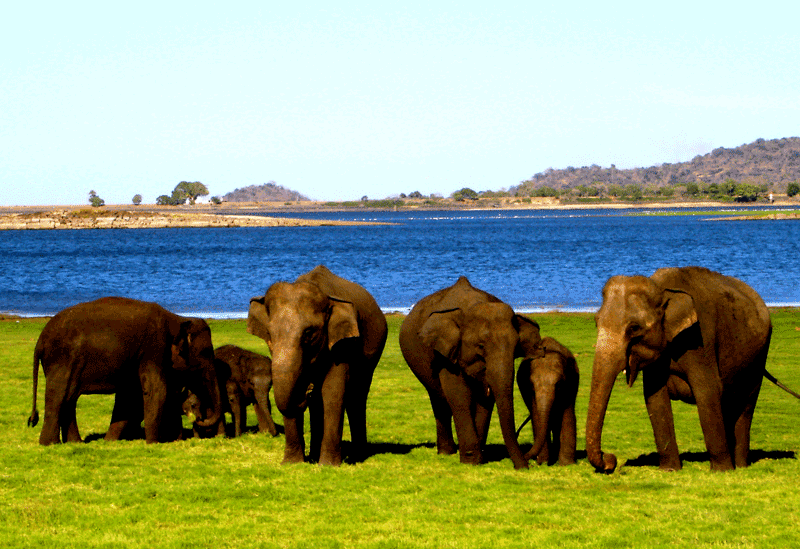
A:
(234, 492)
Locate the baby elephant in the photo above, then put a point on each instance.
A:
(549, 386)
(249, 383)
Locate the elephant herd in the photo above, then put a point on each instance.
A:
(695, 334)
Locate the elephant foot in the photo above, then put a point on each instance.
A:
(292, 459)
(471, 457)
(446, 448)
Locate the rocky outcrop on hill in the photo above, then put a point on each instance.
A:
(268, 192)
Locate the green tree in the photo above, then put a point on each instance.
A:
(465, 194)
(634, 191)
(728, 188)
(792, 189)
(189, 190)
(748, 192)
(137, 199)
(692, 189)
(95, 200)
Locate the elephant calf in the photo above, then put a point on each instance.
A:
(249, 383)
(549, 387)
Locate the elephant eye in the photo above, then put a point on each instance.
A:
(634, 330)
(309, 334)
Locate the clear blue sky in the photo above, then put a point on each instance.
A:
(342, 101)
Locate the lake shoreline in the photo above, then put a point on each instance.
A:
(247, 214)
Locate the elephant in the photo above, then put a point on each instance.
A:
(249, 382)
(549, 386)
(326, 335)
(135, 349)
(461, 343)
(698, 336)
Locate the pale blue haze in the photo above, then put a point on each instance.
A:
(338, 100)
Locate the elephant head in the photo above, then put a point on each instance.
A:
(636, 324)
(481, 342)
(302, 326)
(193, 361)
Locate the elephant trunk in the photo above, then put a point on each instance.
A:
(608, 363)
(501, 382)
(211, 384)
(290, 395)
(545, 391)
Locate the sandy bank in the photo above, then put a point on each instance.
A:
(115, 219)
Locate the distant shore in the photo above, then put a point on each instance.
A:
(257, 214)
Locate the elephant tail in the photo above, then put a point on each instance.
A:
(34, 418)
(774, 380)
(524, 423)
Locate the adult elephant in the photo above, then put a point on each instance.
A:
(549, 387)
(461, 343)
(135, 349)
(326, 335)
(700, 337)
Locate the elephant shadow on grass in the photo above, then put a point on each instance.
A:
(187, 433)
(651, 459)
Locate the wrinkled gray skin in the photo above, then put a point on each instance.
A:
(135, 349)
(461, 343)
(549, 386)
(697, 336)
(326, 335)
(249, 383)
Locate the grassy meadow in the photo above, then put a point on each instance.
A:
(234, 492)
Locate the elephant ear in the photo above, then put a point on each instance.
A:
(442, 333)
(181, 341)
(257, 318)
(679, 313)
(343, 322)
(529, 338)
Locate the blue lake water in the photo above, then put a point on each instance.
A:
(533, 260)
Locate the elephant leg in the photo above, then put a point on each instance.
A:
(263, 409)
(718, 436)
(295, 449)
(356, 407)
(445, 442)
(483, 418)
(126, 417)
(239, 413)
(741, 431)
(459, 397)
(333, 392)
(660, 410)
(264, 417)
(154, 397)
(55, 395)
(568, 437)
(73, 433)
(316, 414)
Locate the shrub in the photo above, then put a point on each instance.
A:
(793, 189)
